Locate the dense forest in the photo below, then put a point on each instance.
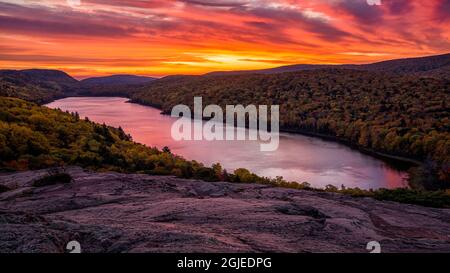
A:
(401, 115)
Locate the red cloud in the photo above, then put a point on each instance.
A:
(166, 32)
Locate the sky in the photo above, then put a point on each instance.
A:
(163, 37)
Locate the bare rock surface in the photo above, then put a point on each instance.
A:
(112, 212)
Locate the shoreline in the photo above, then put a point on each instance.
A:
(385, 157)
(371, 152)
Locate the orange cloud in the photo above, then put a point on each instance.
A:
(160, 37)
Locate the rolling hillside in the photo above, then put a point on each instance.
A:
(37, 85)
(115, 85)
(41, 85)
(116, 80)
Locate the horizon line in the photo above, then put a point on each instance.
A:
(80, 78)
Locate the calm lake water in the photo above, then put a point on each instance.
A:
(298, 158)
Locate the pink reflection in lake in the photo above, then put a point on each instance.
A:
(298, 158)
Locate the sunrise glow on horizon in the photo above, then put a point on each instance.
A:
(157, 38)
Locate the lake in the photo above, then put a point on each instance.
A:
(298, 158)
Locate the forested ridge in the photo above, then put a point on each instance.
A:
(42, 85)
(403, 115)
(36, 85)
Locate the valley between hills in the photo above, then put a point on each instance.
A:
(64, 176)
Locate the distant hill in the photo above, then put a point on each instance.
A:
(116, 79)
(438, 65)
(420, 65)
(115, 85)
(40, 76)
(44, 85)
(281, 69)
(36, 85)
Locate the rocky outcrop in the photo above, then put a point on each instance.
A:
(112, 212)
